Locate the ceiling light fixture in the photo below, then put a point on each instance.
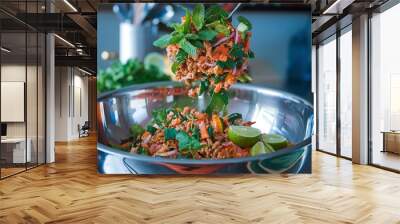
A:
(70, 5)
(64, 40)
(84, 71)
(5, 49)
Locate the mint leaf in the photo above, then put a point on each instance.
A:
(218, 102)
(180, 57)
(217, 79)
(245, 22)
(197, 43)
(210, 131)
(163, 41)
(186, 24)
(151, 129)
(198, 16)
(175, 38)
(175, 67)
(187, 142)
(207, 35)
(236, 51)
(169, 134)
(136, 130)
(214, 13)
(251, 54)
(191, 36)
(226, 64)
(177, 27)
(220, 28)
(188, 47)
(196, 133)
(160, 116)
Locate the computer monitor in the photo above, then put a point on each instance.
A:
(3, 129)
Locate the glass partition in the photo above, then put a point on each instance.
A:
(22, 77)
(327, 95)
(15, 151)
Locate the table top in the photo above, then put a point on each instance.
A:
(391, 132)
(13, 140)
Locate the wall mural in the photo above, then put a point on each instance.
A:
(204, 89)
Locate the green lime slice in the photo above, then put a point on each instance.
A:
(243, 136)
(274, 140)
(269, 148)
(155, 59)
(257, 149)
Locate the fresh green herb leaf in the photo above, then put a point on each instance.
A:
(214, 13)
(160, 116)
(203, 86)
(186, 24)
(245, 21)
(217, 79)
(187, 142)
(180, 56)
(151, 129)
(191, 36)
(198, 16)
(226, 64)
(169, 134)
(136, 130)
(175, 38)
(174, 67)
(196, 133)
(188, 47)
(251, 54)
(197, 43)
(210, 131)
(221, 28)
(196, 145)
(163, 41)
(207, 34)
(218, 102)
(119, 75)
(233, 117)
(236, 51)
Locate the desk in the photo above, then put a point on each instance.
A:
(17, 152)
(391, 141)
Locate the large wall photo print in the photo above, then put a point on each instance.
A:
(204, 89)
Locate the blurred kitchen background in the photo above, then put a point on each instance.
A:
(281, 39)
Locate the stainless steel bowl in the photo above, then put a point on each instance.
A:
(274, 112)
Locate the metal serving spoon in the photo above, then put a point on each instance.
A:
(234, 10)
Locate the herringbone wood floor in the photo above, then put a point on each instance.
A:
(70, 191)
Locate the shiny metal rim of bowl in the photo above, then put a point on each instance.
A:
(143, 158)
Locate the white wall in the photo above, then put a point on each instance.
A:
(71, 94)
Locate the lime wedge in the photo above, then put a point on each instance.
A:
(269, 148)
(244, 136)
(257, 149)
(155, 59)
(274, 140)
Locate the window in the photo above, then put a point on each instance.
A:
(327, 95)
(385, 89)
(346, 92)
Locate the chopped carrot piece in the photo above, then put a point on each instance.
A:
(203, 131)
